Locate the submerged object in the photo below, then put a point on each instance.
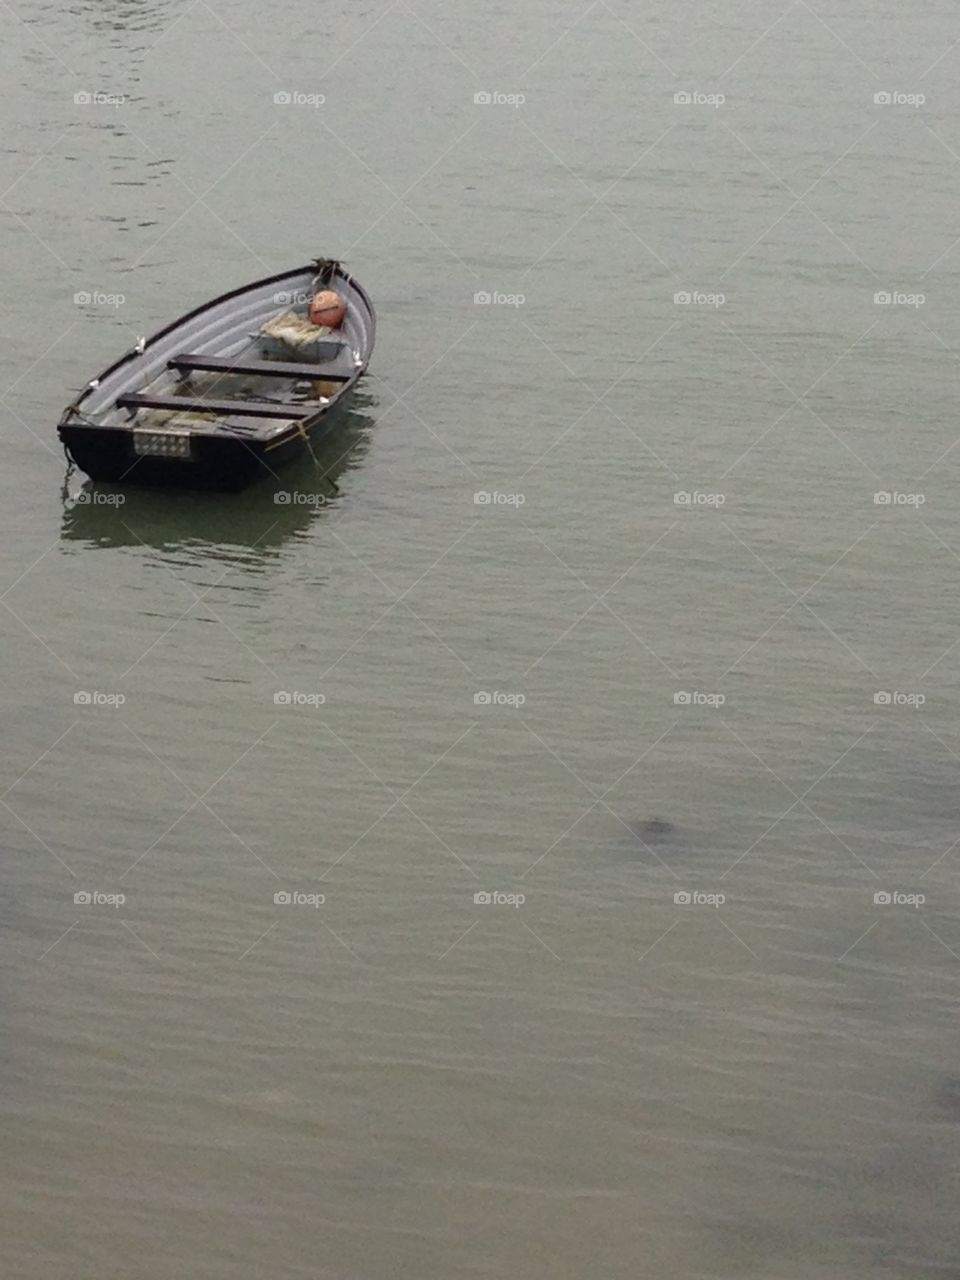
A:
(652, 830)
(220, 397)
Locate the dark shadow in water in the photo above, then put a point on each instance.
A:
(622, 844)
(652, 830)
(649, 837)
(256, 522)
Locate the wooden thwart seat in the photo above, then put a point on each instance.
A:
(226, 408)
(258, 368)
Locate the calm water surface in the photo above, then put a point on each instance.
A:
(582, 694)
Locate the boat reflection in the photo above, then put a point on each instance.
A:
(248, 526)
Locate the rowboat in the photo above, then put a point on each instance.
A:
(251, 532)
(228, 393)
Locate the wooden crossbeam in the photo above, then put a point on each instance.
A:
(224, 408)
(258, 368)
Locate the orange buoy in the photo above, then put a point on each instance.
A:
(327, 308)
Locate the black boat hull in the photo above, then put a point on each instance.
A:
(216, 462)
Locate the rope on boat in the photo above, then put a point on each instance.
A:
(308, 442)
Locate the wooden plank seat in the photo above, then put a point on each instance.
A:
(226, 408)
(259, 368)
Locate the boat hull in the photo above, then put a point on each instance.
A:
(216, 462)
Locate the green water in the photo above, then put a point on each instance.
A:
(576, 689)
